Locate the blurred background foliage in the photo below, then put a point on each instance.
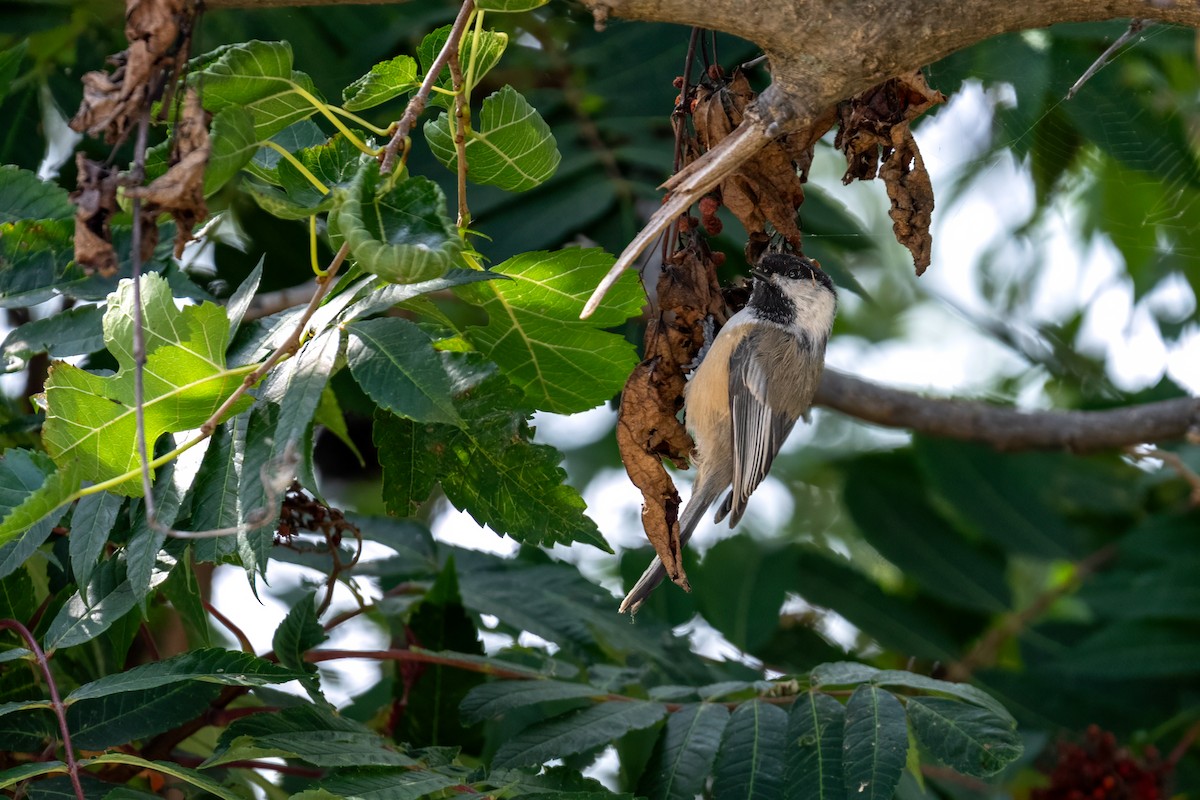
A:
(1066, 586)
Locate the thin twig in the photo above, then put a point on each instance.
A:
(139, 331)
(1173, 461)
(461, 114)
(1135, 27)
(238, 633)
(60, 711)
(417, 656)
(421, 98)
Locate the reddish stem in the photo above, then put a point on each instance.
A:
(243, 640)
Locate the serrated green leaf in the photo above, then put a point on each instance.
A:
(377, 298)
(22, 473)
(38, 260)
(875, 744)
(386, 80)
(25, 196)
(117, 719)
(299, 632)
(534, 333)
(494, 699)
(842, 673)
(43, 506)
(74, 332)
(380, 784)
(739, 588)
(961, 691)
(296, 386)
(167, 768)
(511, 148)
(487, 468)
(258, 77)
(10, 61)
(814, 749)
(91, 523)
(95, 608)
(90, 419)
(509, 6)
(395, 364)
(239, 302)
(683, 759)
(209, 665)
(576, 732)
(259, 489)
(750, 763)
(145, 543)
(402, 235)
(310, 733)
(478, 55)
(964, 737)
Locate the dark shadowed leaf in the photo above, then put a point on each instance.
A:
(686, 750)
(814, 749)
(875, 744)
(750, 764)
(576, 732)
(966, 738)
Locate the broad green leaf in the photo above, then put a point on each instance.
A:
(37, 257)
(684, 756)
(511, 147)
(576, 732)
(90, 418)
(25, 196)
(196, 779)
(478, 59)
(74, 332)
(333, 164)
(258, 77)
(93, 610)
(91, 523)
(814, 749)
(209, 665)
(487, 468)
(393, 784)
(402, 235)
(10, 61)
(534, 333)
(299, 632)
(233, 143)
(386, 80)
(960, 691)
(293, 138)
(43, 506)
(966, 738)
(381, 297)
(494, 699)
(117, 719)
(750, 763)
(307, 732)
(23, 705)
(510, 6)
(874, 744)
(395, 364)
(893, 515)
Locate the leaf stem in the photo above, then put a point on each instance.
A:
(417, 104)
(333, 119)
(295, 162)
(60, 711)
(312, 246)
(350, 115)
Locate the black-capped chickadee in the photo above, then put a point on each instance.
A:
(758, 377)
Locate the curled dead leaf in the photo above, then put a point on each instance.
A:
(95, 202)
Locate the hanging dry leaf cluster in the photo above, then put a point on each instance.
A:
(158, 32)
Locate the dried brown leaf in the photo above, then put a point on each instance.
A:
(911, 193)
(96, 201)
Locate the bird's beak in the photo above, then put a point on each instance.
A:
(760, 273)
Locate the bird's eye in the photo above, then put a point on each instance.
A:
(793, 273)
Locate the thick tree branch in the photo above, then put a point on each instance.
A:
(1008, 429)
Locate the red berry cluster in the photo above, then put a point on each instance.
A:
(1099, 770)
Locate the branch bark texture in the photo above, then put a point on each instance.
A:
(1008, 429)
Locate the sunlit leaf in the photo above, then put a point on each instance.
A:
(257, 77)
(480, 59)
(395, 364)
(386, 80)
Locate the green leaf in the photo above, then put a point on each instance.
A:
(896, 520)
(202, 782)
(209, 665)
(293, 138)
(121, 718)
(402, 235)
(74, 332)
(510, 6)
(145, 543)
(312, 733)
(959, 691)
(296, 386)
(24, 772)
(478, 54)
(25, 196)
(1134, 650)
(576, 732)
(91, 523)
(534, 333)
(22, 474)
(750, 764)
(299, 632)
(490, 700)
(239, 302)
(258, 77)
(90, 418)
(233, 143)
(10, 61)
(487, 468)
(966, 738)
(683, 759)
(382, 296)
(93, 610)
(333, 164)
(740, 587)
(512, 147)
(842, 673)
(386, 80)
(259, 498)
(814, 749)
(43, 505)
(394, 784)
(875, 744)
(17, 598)
(182, 590)
(395, 364)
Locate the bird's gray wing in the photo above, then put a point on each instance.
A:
(764, 406)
